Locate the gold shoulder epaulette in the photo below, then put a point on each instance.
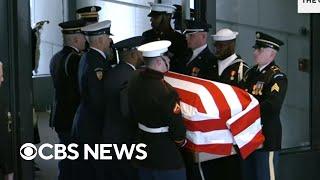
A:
(275, 68)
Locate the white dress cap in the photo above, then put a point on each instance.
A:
(102, 27)
(154, 49)
(224, 35)
(162, 8)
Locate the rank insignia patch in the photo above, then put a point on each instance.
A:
(177, 109)
(99, 73)
(275, 87)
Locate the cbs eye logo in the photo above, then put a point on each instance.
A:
(28, 151)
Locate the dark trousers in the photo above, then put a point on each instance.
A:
(119, 170)
(65, 165)
(87, 169)
(225, 168)
(261, 165)
(149, 174)
(192, 168)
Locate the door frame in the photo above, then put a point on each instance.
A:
(20, 80)
(314, 81)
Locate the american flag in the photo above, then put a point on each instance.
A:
(217, 116)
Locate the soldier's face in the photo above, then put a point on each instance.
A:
(223, 49)
(138, 57)
(156, 21)
(193, 40)
(166, 62)
(263, 56)
(106, 41)
(1, 74)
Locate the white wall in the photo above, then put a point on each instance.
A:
(128, 17)
(279, 18)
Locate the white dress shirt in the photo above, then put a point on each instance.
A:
(262, 67)
(196, 52)
(223, 64)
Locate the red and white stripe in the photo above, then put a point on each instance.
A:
(217, 115)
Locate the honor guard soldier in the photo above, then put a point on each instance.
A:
(266, 82)
(118, 127)
(88, 122)
(231, 67)
(64, 73)
(161, 15)
(201, 58)
(155, 107)
(89, 13)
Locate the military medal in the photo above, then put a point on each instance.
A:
(257, 88)
(195, 71)
(232, 75)
(254, 89)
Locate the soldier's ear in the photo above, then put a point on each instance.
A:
(133, 55)
(273, 54)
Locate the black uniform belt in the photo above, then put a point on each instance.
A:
(153, 130)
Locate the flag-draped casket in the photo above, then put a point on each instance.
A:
(217, 116)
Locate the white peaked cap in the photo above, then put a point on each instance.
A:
(224, 34)
(154, 49)
(162, 8)
(102, 27)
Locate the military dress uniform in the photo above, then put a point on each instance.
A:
(64, 73)
(118, 128)
(88, 123)
(93, 66)
(234, 73)
(178, 49)
(64, 70)
(229, 71)
(154, 106)
(201, 64)
(268, 84)
(90, 14)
